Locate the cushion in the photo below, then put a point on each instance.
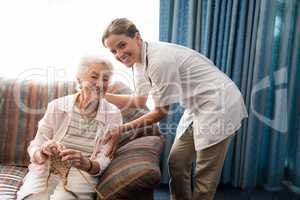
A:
(134, 167)
(10, 181)
(22, 105)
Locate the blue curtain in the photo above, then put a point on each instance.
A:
(257, 44)
(168, 128)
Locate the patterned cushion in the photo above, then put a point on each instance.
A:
(22, 105)
(10, 180)
(135, 167)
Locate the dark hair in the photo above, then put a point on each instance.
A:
(120, 26)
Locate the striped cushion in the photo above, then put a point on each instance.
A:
(22, 105)
(10, 181)
(135, 167)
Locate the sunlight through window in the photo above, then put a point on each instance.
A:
(38, 37)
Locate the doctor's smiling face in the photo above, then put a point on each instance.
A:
(126, 49)
(123, 39)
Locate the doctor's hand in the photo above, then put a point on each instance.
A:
(112, 137)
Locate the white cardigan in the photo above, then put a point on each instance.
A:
(56, 120)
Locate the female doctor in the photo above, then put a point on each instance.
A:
(214, 107)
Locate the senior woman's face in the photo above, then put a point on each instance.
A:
(96, 79)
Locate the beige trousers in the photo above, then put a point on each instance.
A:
(209, 163)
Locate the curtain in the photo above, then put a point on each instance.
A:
(257, 44)
(167, 128)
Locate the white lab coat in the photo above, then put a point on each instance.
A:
(176, 74)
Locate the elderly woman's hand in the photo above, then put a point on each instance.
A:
(46, 148)
(76, 158)
(45, 151)
(112, 137)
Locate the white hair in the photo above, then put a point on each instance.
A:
(85, 62)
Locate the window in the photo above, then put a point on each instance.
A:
(41, 37)
(45, 40)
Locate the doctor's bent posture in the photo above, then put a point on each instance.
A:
(214, 107)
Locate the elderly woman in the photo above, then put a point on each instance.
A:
(73, 127)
